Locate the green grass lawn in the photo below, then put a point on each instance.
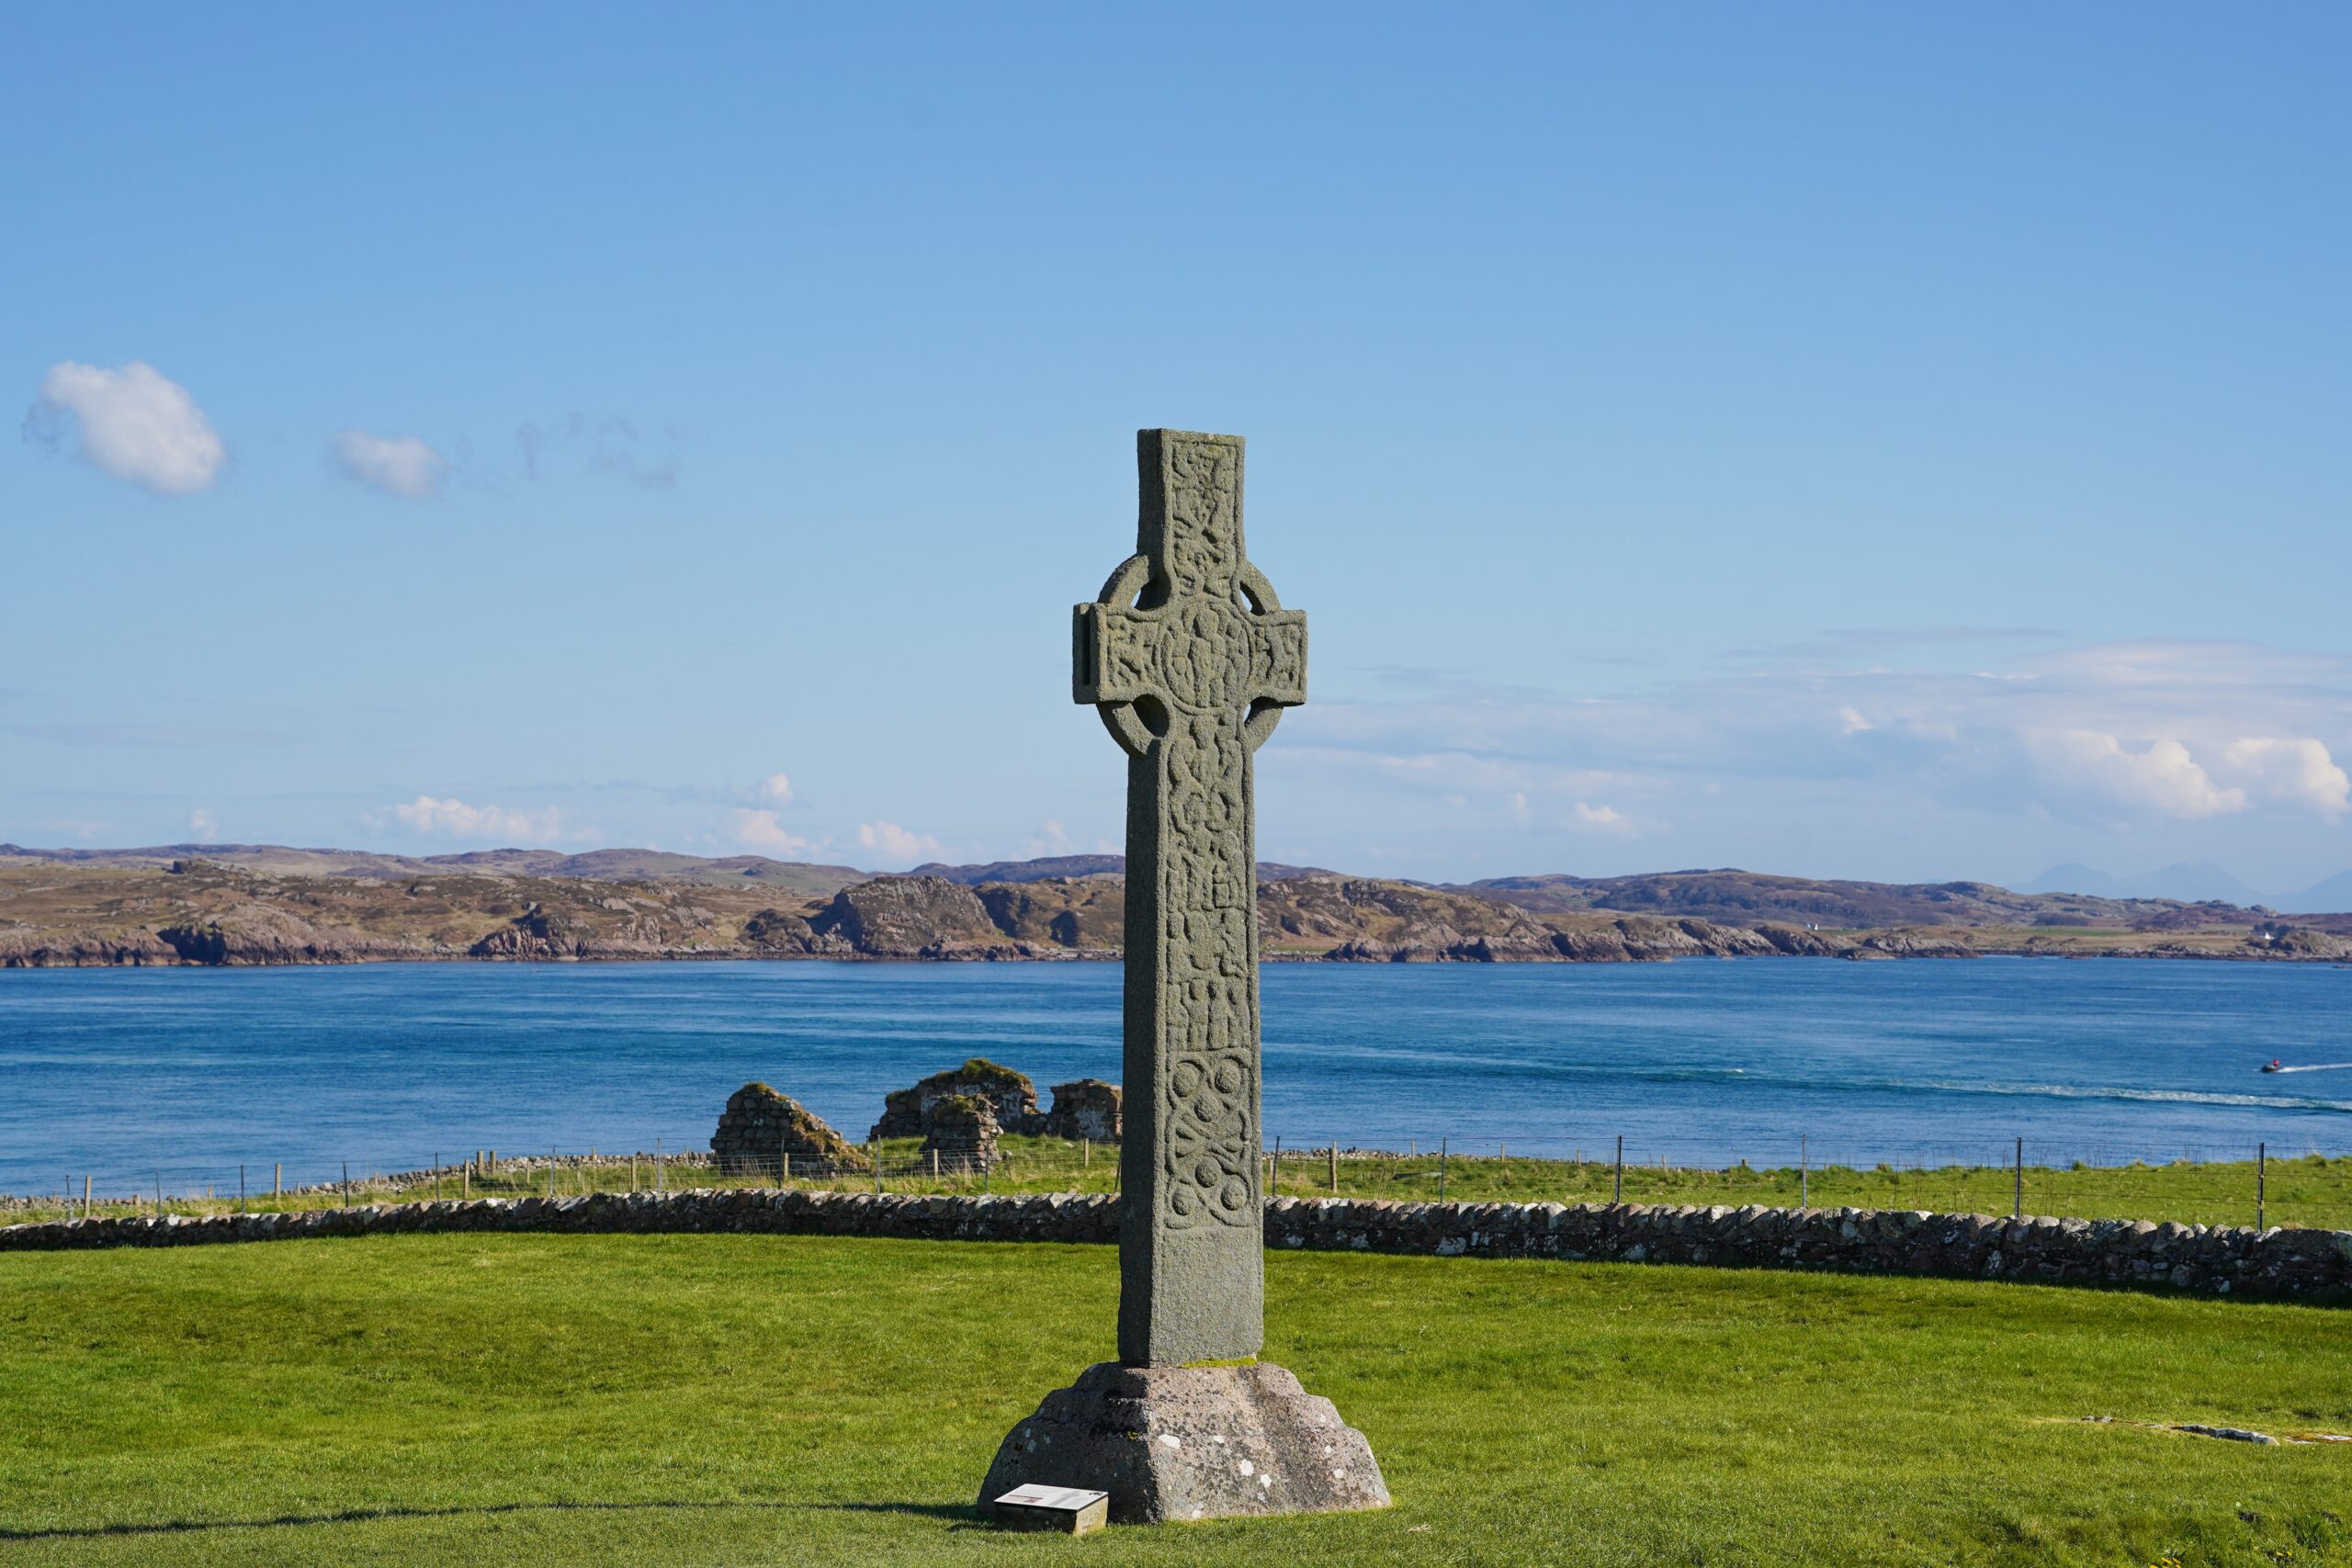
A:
(2311, 1190)
(720, 1400)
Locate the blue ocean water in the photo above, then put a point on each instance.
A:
(119, 1073)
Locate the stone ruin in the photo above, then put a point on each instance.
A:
(959, 1133)
(1084, 1108)
(1087, 1108)
(1011, 1098)
(761, 1128)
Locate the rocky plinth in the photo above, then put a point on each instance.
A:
(1012, 1100)
(1172, 1443)
(761, 1129)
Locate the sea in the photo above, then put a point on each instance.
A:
(183, 1074)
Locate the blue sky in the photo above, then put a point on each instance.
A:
(1900, 443)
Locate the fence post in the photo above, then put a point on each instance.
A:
(2261, 1179)
(550, 1174)
(1617, 1188)
(241, 1188)
(1335, 1168)
(1085, 1153)
(466, 1182)
(874, 1153)
(1804, 1181)
(659, 1172)
(346, 1184)
(159, 1194)
(86, 1195)
(2016, 1196)
(1444, 1147)
(278, 1179)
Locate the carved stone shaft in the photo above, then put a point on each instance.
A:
(1190, 658)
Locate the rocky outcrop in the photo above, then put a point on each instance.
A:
(1011, 1097)
(1087, 1108)
(2277, 940)
(1913, 942)
(1088, 913)
(1395, 922)
(535, 933)
(2220, 1260)
(959, 1133)
(762, 1129)
(262, 936)
(913, 917)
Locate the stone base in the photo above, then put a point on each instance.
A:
(1191, 1443)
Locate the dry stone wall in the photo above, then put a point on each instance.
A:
(2303, 1265)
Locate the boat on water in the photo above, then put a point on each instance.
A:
(2274, 1066)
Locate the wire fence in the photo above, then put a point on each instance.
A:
(2262, 1183)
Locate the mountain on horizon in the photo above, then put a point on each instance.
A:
(2322, 898)
(2190, 882)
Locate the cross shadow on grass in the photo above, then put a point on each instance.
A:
(959, 1512)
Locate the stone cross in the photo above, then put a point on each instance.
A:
(1190, 658)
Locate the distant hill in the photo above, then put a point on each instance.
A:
(1746, 897)
(647, 865)
(1054, 868)
(1043, 869)
(2186, 882)
(1726, 895)
(272, 904)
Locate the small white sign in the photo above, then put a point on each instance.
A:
(1071, 1498)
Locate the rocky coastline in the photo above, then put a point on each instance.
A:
(213, 913)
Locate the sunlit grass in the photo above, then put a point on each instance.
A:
(721, 1400)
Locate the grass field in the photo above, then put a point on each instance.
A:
(2313, 1190)
(723, 1400)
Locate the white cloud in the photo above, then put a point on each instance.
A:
(203, 825)
(1585, 818)
(762, 831)
(397, 465)
(774, 790)
(2297, 773)
(136, 424)
(2151, 731)
(894, 842)
(456, 820)
(1052, 839)
(2163, 779)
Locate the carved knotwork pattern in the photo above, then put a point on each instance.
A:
(1207, 645)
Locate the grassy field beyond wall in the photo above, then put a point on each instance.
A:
(2312, 1191)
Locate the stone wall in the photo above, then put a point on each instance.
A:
(2306, 1265)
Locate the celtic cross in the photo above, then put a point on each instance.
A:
(1190, 658)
